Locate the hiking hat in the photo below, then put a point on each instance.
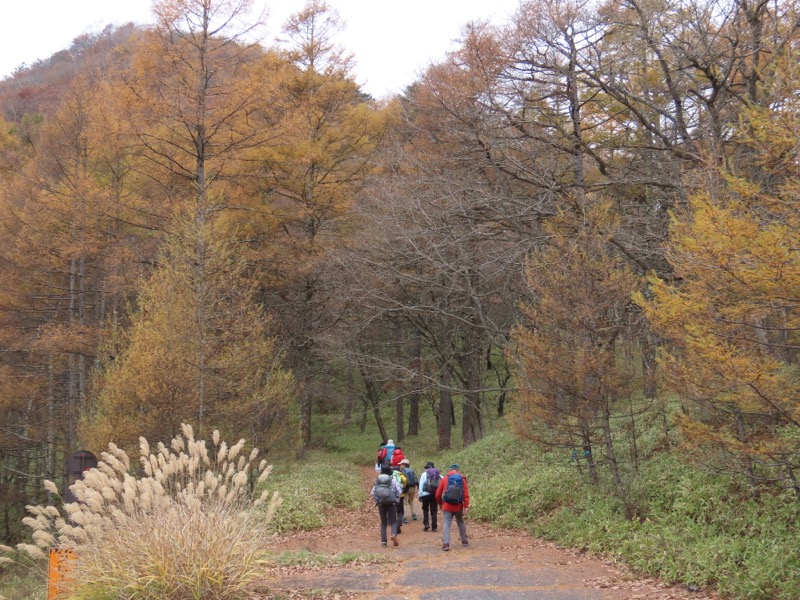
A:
(429, 465)
(405, 462)
(390, 443)
(454, 467)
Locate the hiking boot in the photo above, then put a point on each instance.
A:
(405, 521)
(433, 529)
(394, 541)
(383, 544)
(414, 517)
(445, 547)
(464, 543)
(398, 531)
(426, 528)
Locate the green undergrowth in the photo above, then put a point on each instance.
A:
(308, 487)
(669, 519)
(21, 583)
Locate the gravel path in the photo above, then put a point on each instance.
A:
(499, 564)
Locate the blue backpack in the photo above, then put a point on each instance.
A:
(454, 492)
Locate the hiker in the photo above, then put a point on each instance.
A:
(453, 496)
(385, 454)
(386, 493)
(428, 482)
(397, 456)
(402, 482)
(411, 488)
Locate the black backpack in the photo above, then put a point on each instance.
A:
(384, 493)
(432, 482)
(454, 492)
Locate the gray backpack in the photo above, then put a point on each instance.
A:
(384, 493)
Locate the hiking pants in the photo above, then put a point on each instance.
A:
(448, 520)
(410, 495)
(400, 511)
(388, 516)
(430, 511)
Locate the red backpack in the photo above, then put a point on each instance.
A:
(397, 456)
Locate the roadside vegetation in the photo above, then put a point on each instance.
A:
(672, 519)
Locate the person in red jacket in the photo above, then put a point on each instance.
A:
(452, 496)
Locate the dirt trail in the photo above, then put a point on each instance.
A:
(499, 564)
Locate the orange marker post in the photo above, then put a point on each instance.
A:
(58, 578)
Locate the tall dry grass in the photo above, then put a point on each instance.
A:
(186, 529)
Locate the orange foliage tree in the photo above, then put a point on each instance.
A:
(570, 370)
(199, 348)
(732, 313)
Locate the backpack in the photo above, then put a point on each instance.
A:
(411, 476)
(454, 492)
(432, 482)
(397, 456)
(384, 493)
(385, 457)
(401, 479)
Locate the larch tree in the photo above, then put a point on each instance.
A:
(308, 180)
(732, 315)
(195, 111)
(193, 353)
(570, 371)
(62, 224)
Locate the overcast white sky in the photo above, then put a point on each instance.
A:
(392, 41)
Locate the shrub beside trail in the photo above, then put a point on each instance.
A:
(186, 529)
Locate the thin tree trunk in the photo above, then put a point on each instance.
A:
(587, 452)
(362, 426)
(399, 412)
(742, 436)
(374, 400)
(414, 398)
(609, 443)
(445, 409)
(649, 367)
(348, 405)
(305, 420)
(472, 414)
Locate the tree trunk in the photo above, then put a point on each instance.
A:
(609, 443)
(587, 452)
(649, 367)
(399, 418)
(362, 426)
(472, 415)
(741, 434)
(445, 409)
(374, 400)
(348, 405)
(414, 398)
(305, 421)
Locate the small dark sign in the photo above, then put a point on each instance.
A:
(77, 465)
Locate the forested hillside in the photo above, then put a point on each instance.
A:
(583, 221)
